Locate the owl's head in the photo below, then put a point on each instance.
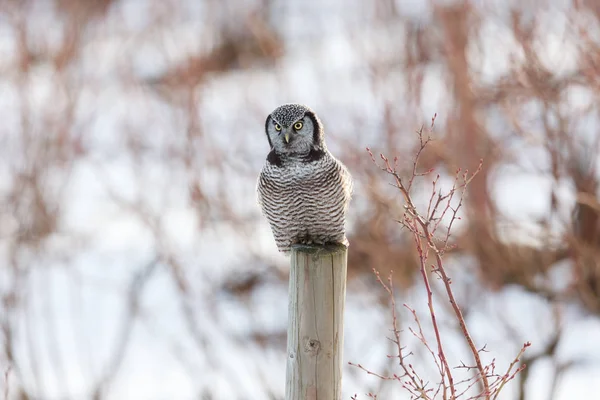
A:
(294, 129)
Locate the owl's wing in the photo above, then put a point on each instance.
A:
(346, 179)
(260, 187)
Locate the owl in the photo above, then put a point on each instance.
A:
(303, 190)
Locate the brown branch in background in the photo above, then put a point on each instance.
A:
(134, 295)
(6, 383)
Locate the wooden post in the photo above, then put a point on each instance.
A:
(316, 323)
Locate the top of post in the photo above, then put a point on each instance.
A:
(328, 249)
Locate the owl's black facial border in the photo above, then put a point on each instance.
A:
(314, 155)
(267, 122)
(273, 158)
(318, 128)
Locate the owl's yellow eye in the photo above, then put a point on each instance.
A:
(298, 126)
(277, 127)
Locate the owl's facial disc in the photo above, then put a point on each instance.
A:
(289, 133)
(293, 136)
(293, 129)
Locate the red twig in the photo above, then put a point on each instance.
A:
(508, 376)
(415, 384)
(423, 227)
(417, 222)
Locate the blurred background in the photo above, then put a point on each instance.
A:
(135, 264)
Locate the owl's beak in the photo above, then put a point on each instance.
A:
(287, 137)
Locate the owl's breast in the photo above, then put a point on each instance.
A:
(303, 185)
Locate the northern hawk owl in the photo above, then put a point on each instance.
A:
(303, 189)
